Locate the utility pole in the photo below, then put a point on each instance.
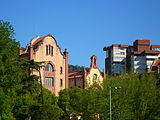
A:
(110, 99)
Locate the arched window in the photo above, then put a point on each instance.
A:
(49, 68)
(94, 76)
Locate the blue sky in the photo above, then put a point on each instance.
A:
(84, 27)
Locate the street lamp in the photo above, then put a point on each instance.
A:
(110, 97)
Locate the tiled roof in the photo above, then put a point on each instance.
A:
(74, 75)
(40, 39)
(155, 46)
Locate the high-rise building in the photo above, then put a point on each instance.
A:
(115, 62)
(124, 58)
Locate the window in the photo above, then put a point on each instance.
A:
(120, 58)
(156, 49)
(122, 53)
(61, 70)
(49, 49)
(49, 68)
(61, 82)
(94, 76)
(116, 47)
(46, 50)
(52, 51)
(149, 63)
(150, 59)
(136, 58)
(49, 81)
(122, 48)
(119, 53)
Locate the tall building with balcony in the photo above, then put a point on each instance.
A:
(55, 71)
(124, 58)
(115, 62)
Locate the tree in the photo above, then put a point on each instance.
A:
(46, 112)
(137, 99)
(9, 48)
(75, 68)
(78, 102)
(31, 65)
(28, 103)
(10, 70)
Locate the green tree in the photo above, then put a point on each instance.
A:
(28, 103)
(9, 48)
(31, 65)
(136, 100)
(10, 70)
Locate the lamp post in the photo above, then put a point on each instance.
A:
(110, 99)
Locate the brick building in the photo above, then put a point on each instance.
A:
(55, 71)
(124, 58)
(85, 78)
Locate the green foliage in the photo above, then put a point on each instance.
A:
(8, 46)
(5, 106)
(46, 112)
(76, 101)
(138, 99)
(75, 68)
(10, 70)
(28, 103)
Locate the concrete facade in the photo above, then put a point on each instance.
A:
(115, 62)
(55, 71)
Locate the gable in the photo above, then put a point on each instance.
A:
(47, 39)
